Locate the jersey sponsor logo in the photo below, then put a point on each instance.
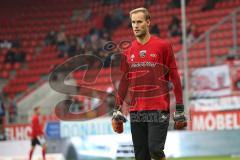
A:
(153, 55)
(142, 53)
(143, 64)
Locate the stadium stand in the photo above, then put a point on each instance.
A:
(37, 36)
(32, 21)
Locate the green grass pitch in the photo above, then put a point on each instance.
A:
(206, 158)
(198, 158)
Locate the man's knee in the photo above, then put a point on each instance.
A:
(156, 152)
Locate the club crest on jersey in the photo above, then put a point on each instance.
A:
(132, 57)
(142, 53)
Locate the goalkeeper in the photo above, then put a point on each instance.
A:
(148, 66)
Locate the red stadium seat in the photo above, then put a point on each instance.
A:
(5, 74)
(37, 20)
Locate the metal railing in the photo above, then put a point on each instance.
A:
(206, 48)
(222, 26)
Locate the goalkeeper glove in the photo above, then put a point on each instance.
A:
(180, 121)
(117, 121)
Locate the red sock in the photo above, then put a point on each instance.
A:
(30, 154)
(44, 153)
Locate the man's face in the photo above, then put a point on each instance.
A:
(38, 111)
(139, 24)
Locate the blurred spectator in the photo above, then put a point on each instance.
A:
(93, 31)
(16, 43)
(108, 2)
(50, 39)
(148, 3)
(80, 42)
(10, 56)
(2, 108)
(118, 16)
(174, 28)
(112, 20)
(192, 33)
(5, 44)
(176, 4)
(87, 15)
(2, 117)
(106, 57)
(80, 46)
(210, 4)
(12, 109)
(15, 55)
(20, 55)
(104, 35)
(108, 22)
(72, 49)
(76, 14)
(155, 30)
(62, 43)
(90, 44)
(79, 50)
(94, 41)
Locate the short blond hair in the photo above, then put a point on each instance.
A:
(141, 9)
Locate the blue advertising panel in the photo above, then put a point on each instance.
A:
(99, 126)
(53, 130)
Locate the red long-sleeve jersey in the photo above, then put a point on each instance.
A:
(36, 126)
(147, 72)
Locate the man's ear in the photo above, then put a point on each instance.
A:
(148, 22)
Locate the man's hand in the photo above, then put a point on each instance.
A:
(180, 121)
(117, 121)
